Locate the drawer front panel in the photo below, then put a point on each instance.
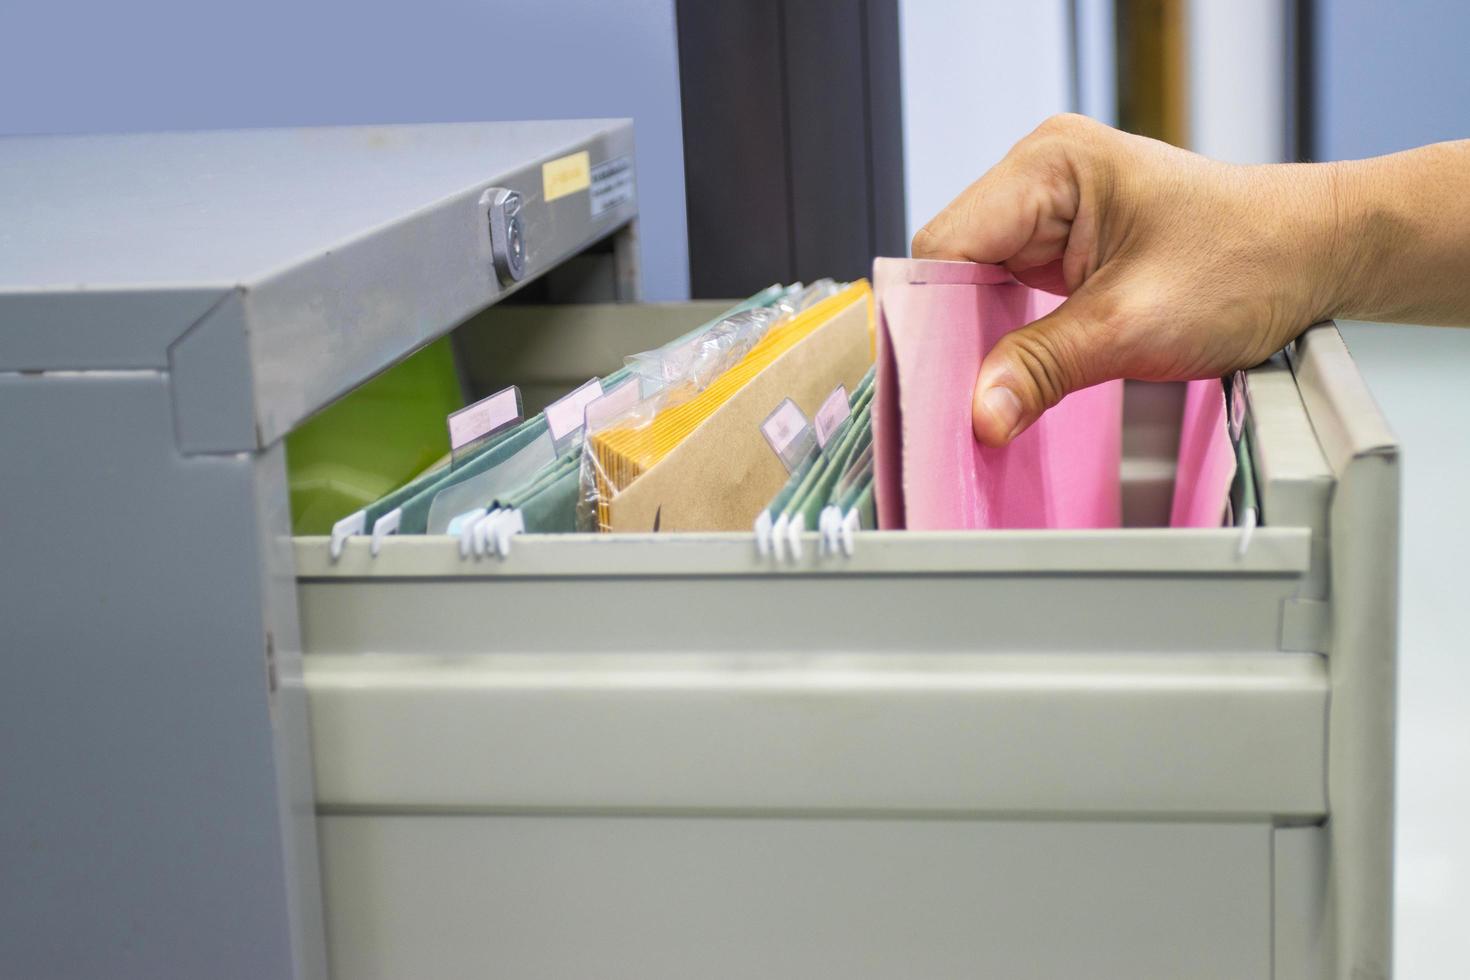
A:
(540, 896)
(1240, 735)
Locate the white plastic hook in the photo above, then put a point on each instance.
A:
(510, 524)
(850, 525)
(345, 528)
(481, 534)
(384, 526)
(763, 525)
(778, 537)
(1247, 531)
(830, 526)
(794, 530)
(464, 527)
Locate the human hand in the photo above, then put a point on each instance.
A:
(1175, 266)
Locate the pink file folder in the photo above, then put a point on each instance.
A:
(1206, 458)
(936, 320)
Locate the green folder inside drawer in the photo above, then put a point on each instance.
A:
(374, 439)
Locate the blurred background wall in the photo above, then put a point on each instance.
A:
(1390, 76)
(72, 66)
(977, 76)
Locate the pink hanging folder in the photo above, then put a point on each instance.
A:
(1206, 458)
(936, 321)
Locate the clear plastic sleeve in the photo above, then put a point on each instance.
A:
(604, 471)
(668, 377)
(482, 488)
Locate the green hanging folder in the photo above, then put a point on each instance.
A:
(373, 439)
(411, 503)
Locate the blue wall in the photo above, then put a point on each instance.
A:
(1391, 75)
(83, 66)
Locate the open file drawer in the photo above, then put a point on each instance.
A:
(1145, 752)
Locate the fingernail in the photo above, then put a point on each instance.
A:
(1003, 406)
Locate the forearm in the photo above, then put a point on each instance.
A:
(1402, 236)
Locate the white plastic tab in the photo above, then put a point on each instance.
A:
(480, 533)
(479, 537)
(794, 530)
(850, 525)
(763, 525)
(778, 537)
(464, 527)
(352, 524)
(830, 526)
(1247, 531)
(384, 526)
(457, 523)
(493, 530)
(489, 531)
(511, 523)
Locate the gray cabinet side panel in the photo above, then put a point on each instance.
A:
(291, 724)
(1360, 747)
(1364, 521)
(139, 834)
(1293, 477)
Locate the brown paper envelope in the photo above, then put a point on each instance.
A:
(724, 472)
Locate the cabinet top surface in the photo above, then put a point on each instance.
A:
(169, 211)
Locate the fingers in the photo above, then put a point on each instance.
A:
(1033, 368)
(1019, 213)
(994, 220)
(1051, 278)
(1028, 213)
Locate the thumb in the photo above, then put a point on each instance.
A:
(1033, 368)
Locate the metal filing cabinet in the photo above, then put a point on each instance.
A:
(1141, 752)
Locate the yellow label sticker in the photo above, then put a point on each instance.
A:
(566, 175)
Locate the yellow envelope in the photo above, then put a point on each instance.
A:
(704, 465)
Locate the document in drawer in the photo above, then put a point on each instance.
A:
(936, 321)
(1206, 458)
(705, 466)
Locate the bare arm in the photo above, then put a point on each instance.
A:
(1405, 220)
(1180, 267)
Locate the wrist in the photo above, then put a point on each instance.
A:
(1352, 263)
(1316, 227)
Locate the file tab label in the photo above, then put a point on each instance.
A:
(612, 184)
(612, 406)
(565, 175)
(1237, 405)
(484, 418)
(834, 411)
(789, 433)
(566, 415)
